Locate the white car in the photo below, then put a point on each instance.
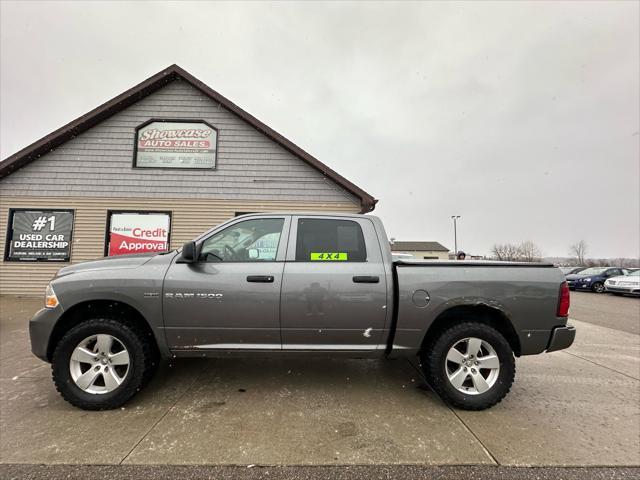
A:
(624, 284)
(402, 256)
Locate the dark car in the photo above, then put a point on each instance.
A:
(593, 278)
(571, 270)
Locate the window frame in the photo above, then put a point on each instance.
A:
(282, 242)
(364, 224)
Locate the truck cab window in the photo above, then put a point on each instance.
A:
(324, 240)
(249, 241)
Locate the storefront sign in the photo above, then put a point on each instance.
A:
(40, 235)
(176, 145)
(138, 233)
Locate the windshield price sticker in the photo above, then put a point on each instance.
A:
(328, 256)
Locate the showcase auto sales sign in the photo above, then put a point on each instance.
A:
(176, 145)
(138, 233)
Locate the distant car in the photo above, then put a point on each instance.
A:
(629, 284)
(402, 256)
(571, 270)
(593, 278)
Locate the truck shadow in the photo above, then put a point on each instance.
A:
(228, 378)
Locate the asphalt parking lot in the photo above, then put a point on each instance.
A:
(579, 407)
(617, 312)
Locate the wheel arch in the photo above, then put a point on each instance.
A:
(485, 314)
(115, 309)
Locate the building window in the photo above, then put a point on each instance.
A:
(246, 241)
(39, 235)
(137, 232)
(330, 240)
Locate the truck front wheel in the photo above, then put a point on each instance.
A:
(101, 363)
(470, 365)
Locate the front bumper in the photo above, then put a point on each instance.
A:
(561, 338)
(40, 329)
(631, 289)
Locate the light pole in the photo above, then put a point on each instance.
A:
(455, 233)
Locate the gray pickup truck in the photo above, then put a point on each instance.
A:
(297, 284)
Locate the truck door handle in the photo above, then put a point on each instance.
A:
(260, 278)
(366, 279)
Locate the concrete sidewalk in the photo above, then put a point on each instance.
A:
(579, 407)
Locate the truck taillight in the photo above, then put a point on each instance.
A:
(563, 304)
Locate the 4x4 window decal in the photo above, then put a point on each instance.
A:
(329, 256)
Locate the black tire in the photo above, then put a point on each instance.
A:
(597, 287)
(433, 360)
(142, 364)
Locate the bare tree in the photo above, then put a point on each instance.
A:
(579, 251)
(506, 252)
(529, 252)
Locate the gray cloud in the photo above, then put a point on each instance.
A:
(521, 117)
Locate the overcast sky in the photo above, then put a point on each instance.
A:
(523, 118)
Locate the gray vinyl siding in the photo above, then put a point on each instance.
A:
(189, 218)
(99, 161)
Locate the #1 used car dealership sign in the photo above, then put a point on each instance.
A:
(39, 235)
(138, 233)
(176, 144)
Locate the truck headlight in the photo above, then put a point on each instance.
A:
(50, 299)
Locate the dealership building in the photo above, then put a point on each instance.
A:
(146, 171)
(421, 250)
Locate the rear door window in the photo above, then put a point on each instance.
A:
(328, 240)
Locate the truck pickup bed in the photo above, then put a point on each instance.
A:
(297, 284)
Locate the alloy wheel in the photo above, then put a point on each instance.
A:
(99, 364)
(472, 366)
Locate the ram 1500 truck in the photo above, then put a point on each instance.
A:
(297, 284)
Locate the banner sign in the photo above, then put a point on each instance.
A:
(138, 233)
(176, 145)
(40, 235)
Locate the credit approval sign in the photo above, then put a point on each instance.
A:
(176, 144)
(131, 232)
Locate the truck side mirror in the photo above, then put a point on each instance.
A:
(189, 253)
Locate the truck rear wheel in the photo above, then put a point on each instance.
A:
(470, 365)
(101, 363)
